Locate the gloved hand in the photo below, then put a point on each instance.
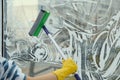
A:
(69, 67)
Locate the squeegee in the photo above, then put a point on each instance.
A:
(38, 25)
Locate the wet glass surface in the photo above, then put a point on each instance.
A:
(86, 30)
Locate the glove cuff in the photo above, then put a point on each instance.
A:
(62, 73)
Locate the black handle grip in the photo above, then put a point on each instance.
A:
(77, 77)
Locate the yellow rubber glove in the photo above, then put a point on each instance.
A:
(69, 67)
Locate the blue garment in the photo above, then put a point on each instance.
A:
(10, 71)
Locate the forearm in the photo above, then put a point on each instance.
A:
(49, 76)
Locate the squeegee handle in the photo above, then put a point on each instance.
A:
(77, 77)
(54, 42)
(58, 48)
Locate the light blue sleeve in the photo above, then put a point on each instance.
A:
(10, 71)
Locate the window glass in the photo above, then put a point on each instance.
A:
(85, 30)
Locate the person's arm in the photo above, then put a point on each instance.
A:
(10, 71)
(49, 76)
(68, 68)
